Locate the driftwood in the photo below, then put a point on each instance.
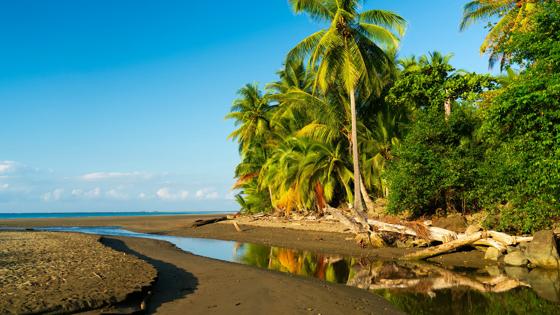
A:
(199, 223)
(369, 229)
(446, 247)
(360, 227)
(489, 238)
(432, 233)
(426, 278)
(236, 226)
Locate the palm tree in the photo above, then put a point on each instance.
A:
(303, 173)
(512, 15)
(348, 54)
(251, 113)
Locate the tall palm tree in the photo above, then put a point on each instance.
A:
(348, 53)
(512, 15)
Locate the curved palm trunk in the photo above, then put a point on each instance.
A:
(365, 195)
(355, 157)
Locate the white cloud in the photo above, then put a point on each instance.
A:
(7, 167)
(87, 194)
(98, 176)
(167, 194)
(206, 193)
(54, 195)
(117, 194)
(4, 186)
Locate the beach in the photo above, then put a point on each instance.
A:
(46, 272)
(203, 285)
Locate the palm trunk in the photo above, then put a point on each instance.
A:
(447, 108)
(365, 195)
(355, 156)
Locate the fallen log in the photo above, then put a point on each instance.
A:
(199, 223)
(509, 239)
(446, 247)
(433, 233)
(236, 226)
(491, 243)
(359, 226)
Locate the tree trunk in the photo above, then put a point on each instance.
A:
(445, 247)
(447, 108)
(365, 195)
(355, 156)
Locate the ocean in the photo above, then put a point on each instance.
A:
(43, 215)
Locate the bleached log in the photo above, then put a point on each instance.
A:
(491, 243)
(445, 247)
(509, 239)
(338, 215)
(236, 226)
(359, 226)
(434, 233)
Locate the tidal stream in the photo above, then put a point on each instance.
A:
(415, 288)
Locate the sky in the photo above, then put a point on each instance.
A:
(119, 105)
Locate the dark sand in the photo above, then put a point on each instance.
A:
(190, 284)
(43, 272)
(316, 241)
(198, 285)
(328, 243)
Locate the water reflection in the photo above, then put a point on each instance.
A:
(421, 288)
(416, 288)
(303, 263)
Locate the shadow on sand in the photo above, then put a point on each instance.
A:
(172, 283)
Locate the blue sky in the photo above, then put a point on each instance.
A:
(119, 105)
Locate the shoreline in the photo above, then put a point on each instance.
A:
(285, 236)
(204, 285)
(207, 285)
(186, 281)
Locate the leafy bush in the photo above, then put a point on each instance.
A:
(436, 164)
(521, 175)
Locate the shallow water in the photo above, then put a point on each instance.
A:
(58, 215)
(416, 288)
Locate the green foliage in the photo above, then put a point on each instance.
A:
(513, 16)
(429, 136)
(435, 165)
(522, 126)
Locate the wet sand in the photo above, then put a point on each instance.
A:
(282, 235)
(44, 272)
(202, 285)
(318, 241)
(197, 285)
(261, 291)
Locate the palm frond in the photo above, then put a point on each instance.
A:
(386, 19)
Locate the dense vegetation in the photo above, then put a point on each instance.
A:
(429, 138)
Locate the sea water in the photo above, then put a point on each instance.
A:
(58, 215)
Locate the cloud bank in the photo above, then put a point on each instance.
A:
(24, 188)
